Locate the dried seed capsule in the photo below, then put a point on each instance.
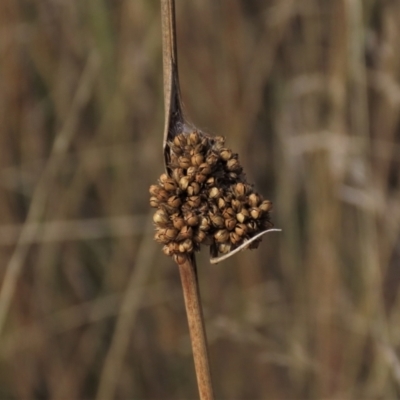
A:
(185, 233)
(229, 213)
(154, 189)
(214, 193)
(184, 162)
(176, 150)
(186, 246)
(170, 185)
(230, 223)
(154, 201)
(194, 201)
(177, 174)
(221, 236)
(184, 182)
(235, 238)
(162, 196)
(167, 250)
(178, 222)
(221, 203)
(199, 236)
(197, 159)
(191, 172)
(205, 223)
(236, 204)
(163, 178)
(170, 233)
(224, 248)
(210, 181)
(255, 213)
(251, 226)
(242, 215)
(200, 178)
(219, 142)
(212, 159)
(204, 169)
(180, 140)
(233, 176)
(239, 190)
(266, 206)
(217, 220)
(194, 138)
(174, 201)
(241, 229)
(192, 219)
(160, 236)
(233, 165)
(193, 189)
(160, 217)
(226, 154)
(254, 200)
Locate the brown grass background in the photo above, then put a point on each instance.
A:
(307, 92)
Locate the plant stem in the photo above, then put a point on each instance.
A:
(191, 293)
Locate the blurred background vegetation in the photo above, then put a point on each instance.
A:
(307, 92)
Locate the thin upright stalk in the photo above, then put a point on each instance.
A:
(191, 293)
(187, 265)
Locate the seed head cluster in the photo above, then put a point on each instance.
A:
(205, 199)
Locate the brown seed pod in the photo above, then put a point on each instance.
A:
(242, 215)
(180, 140)
(233, 165)
(178, 221)
(194, 201)
(214, 193)
(167, 250)
(241, 229)
(194, 138)
(184, 183)
(199, 236)
(204, 169)
(255, 213)
(236, 204)
(230, 223)
(235, 238)
(154, 189)
(239, 190)
(191, 172)
(229, 213)
(176, 150)
(163, 178)
(212, 159)
(197, 159)
(184, 162)
(154, 202)
(177, 174)
(171, 233)
(266, 206)
(254, 200)
(193, 189)
(200, 178)
(185, 233)
(162, 195)
(174, 201)
(221, 236)
(160, 217)
(217, 220)
(192, 219)
(219, 142)
(226, 154)
(210, 181)
(160, 236)
(186, 246)
(205, 223)
(170, 185)
(224, 248)
(221, 203)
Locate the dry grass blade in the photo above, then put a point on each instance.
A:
(55, 162)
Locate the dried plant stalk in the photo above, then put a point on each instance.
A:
(187, 269)
(187, 265)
